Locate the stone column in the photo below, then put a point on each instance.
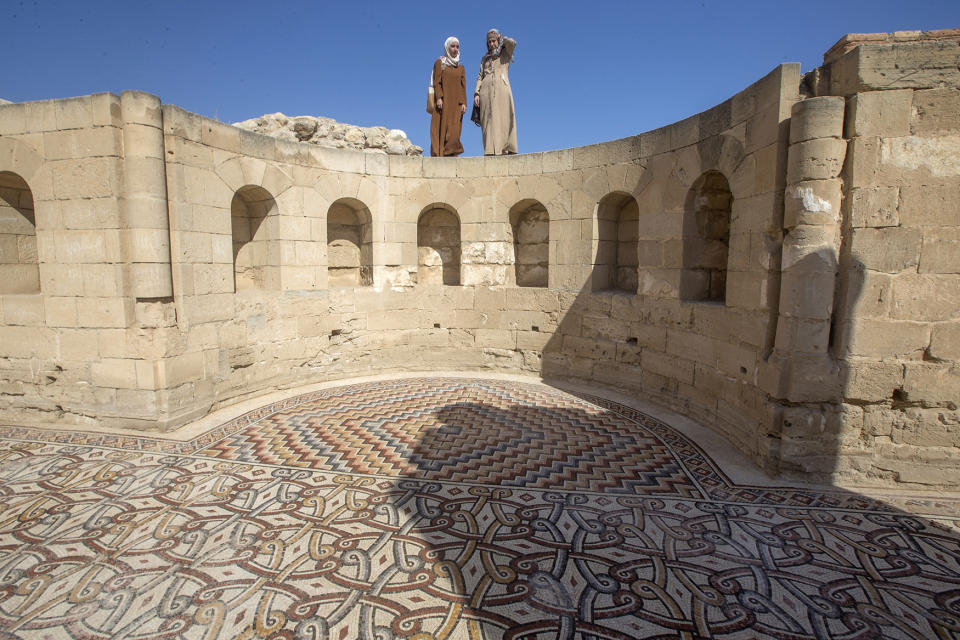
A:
(144, 197)
(810, 251)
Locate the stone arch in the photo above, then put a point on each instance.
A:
(240, 171)
(530, 224)
(19, 267)
(349, 244)
(256, 254)
(706, 238)
(438, 245)
(616, 232)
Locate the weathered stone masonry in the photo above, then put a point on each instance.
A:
(784, 267)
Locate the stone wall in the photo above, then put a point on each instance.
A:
(781, 267)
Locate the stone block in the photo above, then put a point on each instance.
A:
(900, 65)
(258, 145)
(874, 207)
(820, 117)
(13, 119)
(928, 298)
(74, 113)
(208, 308)
(690, 346)
(871, 381)
(102, 280)
(104, 312)
(496, 338)
(20, 278)
(890, 250)
(930, 205)
(668, 366)
(750, 291)
(603, 327)
(945, 341)
(879, 113)
(819, 159)
(138, 107)
(86, 178)
(527, 164)
(935, 111)
(586, 157)
(877, 338)
(765, 168)
(41, 115)
(25, 310)
(929, 382)
(807, 293)
(78, 345)
(862, 162)
(912, 158)
(220, 135)
(181, 369)
(28, 342)
(60, 145)
(814, 202)
(940, 252)
(440, 167)
(865, 293)
(103, 141)
(406, 166)
(393, 320)
(60, 312)
(589, 348)
(114, 373)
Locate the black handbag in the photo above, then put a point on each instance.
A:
(475, 114)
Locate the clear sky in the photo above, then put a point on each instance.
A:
(585, 71)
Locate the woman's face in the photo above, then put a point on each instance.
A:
(454, 49)
(492, 41)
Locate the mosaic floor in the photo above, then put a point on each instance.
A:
(449, 508)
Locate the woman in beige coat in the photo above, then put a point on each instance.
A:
(493, 95)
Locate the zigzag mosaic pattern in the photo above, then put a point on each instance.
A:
(492, 433)
(413, 509)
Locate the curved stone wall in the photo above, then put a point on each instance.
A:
(185, 264)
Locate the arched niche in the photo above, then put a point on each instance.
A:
(256, 255)
(706, 239)
(530, 224)
(349, 244)
(19, 267)
(438, 246)
(616, 243)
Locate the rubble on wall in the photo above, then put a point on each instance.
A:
(327, 132)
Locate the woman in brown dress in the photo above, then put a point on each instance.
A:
(450, 95)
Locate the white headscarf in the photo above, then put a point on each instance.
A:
(447, 59)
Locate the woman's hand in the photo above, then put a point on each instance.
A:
(463, 109)
(439, 104)
(476, 100)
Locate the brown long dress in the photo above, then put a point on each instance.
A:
(450, 84)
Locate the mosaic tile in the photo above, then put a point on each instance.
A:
(456, 508)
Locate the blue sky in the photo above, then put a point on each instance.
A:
(585, 71)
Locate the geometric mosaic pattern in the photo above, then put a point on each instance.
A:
(445, 430)
(449, 508)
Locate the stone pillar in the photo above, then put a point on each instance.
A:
(810, 251)
(144, 197)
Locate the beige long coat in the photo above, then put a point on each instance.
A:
(498, 120)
